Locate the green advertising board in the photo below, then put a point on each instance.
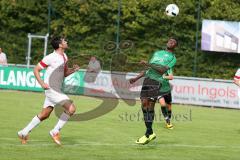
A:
(17, 78)
(74, 83)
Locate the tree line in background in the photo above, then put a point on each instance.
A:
(91, 27)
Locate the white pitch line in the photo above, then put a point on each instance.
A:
(126, 145)
(82, 143)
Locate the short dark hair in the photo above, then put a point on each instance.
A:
(56, 41)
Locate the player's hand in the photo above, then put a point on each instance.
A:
(45, 86)
(132, 80)
(76, 67)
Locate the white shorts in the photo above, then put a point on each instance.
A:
(53, 98)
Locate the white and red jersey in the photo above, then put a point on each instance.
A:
(55, 65)
(237, 75)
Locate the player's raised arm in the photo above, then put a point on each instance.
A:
(160, 69)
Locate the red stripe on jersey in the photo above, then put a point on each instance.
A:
(64, 59)
(237, 77)
(43, 64)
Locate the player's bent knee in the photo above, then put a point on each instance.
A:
(72, 109)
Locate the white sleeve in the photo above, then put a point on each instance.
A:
(46, 61)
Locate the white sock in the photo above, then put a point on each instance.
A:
(61, 122)
(35, 121)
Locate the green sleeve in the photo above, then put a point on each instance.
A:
(172, 63)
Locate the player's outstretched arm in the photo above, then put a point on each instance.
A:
(140, 75)
(160, 69)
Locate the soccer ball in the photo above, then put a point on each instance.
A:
(172, 10)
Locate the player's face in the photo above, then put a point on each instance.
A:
(172, 43)
(64, 44)
(93, 58)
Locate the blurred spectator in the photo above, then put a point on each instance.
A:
(94, 65)
(3, 58)
(93, 69)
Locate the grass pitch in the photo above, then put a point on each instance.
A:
(199, 133)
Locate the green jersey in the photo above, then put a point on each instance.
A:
(166, 87)
(160, 58)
